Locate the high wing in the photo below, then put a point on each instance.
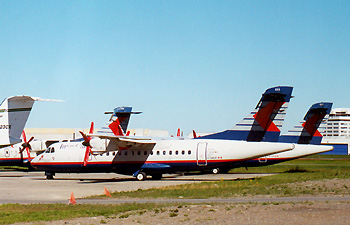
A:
(107, 142)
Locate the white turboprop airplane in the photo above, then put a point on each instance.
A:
(14, 112)
(140, 156)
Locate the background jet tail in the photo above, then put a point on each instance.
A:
(307, 132)
(14, 113)
(265, 121)
(119, 121)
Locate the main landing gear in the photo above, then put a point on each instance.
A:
(141, 176)
(49, 175)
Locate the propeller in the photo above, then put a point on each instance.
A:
(26, 145)
(86, 143)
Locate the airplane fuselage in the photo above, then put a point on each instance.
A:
(165, 156)
(11, 156)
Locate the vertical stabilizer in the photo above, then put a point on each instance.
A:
(14, 113)
(307, 132)
(119, 121)
(265, 121)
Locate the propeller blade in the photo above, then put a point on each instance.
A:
(28, 153)
(86, 139)
(91, 128)
(86, 157)
(30, 139)
(24, 136)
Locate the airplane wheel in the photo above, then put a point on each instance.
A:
(216, 170)
(141, 176)
(157, 176)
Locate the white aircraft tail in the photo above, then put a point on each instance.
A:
(14, 112)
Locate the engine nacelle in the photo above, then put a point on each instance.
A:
(99, 145)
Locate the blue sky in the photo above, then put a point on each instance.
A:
(199, 65)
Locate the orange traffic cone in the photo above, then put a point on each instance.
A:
(107, 193)
(72, 200)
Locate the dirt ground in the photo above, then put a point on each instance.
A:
(238, 213)
(286, 213)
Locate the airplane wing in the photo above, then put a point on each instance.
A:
(123, 142)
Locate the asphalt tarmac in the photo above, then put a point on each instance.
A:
(32, 187)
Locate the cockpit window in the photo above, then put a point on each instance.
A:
(52, 150)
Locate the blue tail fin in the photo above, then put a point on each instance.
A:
(264, 122)
(307, 132)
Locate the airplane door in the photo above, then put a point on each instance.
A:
(202, 153)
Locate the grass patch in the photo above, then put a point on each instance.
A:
(288, 172)
(13, 213)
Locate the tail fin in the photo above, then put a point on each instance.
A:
(264, 123)
(307, 132)
(14, 112)
(119, 121)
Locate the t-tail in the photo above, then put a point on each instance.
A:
(307, 132)
(119, 121)
(264, 122)
(14, 113)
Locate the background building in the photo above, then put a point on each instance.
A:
(337, 131)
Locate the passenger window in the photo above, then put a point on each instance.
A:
(176, 152)
(164, 152)
(107, 153)
(189, 152)
(170, 152)
(119, 153)
(132, 153)
(126, 153)
(139, 153)
(183, 152)
(145, 152)
(151, 152)
(158, 153)
(113, 153)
